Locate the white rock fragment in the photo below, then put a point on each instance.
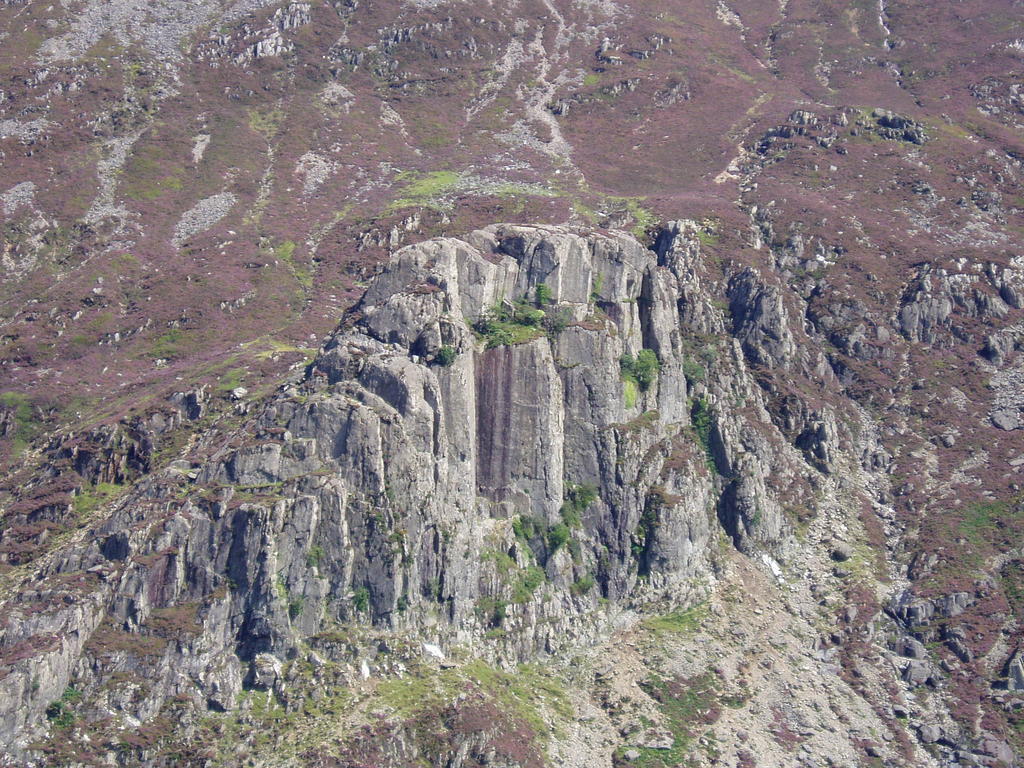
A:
(432, 650)
(201, 142)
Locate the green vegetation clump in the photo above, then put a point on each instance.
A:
(700, 415)
(584, 585)
(577, 499)
(491, 610)
(524, 320)
(1012, 581)
(59, 712)
(544, 295)
(91, 497)
(529, 693)
(680, 622)
(630, 392)
(361, 599)
(170, 345)
(980, 519)
(542, 538)
(643, 534)
(285, 253)
(638, 373)
(446, 356)
(686, 705)
(423, 189)
(693, 371)
(530, 578)
(314, 556)
(525, 528)
(151, 171)
(231, 380)
(522, 581)
(558, 535)
(504, 326)
(266, 122)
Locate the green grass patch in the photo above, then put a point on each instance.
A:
(638, 373)
(980, 520)
(643, 220)
(527, 693)
(169, 346)
(427, 691)
(680, 622)
(92, 497)
(423, 189)
(686, 705)
(266, 122)
(1011, 578)
(630, 392)
(285, 253)
(150, 173)
(506, 326)
(231, 380)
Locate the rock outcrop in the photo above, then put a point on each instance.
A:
(468, 459)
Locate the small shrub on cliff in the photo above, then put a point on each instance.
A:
(491, 610)
(700, 415)
(544, 295)
(558, 535)
(525, 528)
(361, 599)
(315, 555)
(577, 499)
(530, 578)
(642, 370)
(446, 356)
(584, 585)
(557, 320)
(59, 712)
(693, 371)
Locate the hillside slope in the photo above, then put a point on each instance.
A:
(719, 434)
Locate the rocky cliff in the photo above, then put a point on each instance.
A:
(512, 445)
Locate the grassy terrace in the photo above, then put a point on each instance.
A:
(505, 325)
